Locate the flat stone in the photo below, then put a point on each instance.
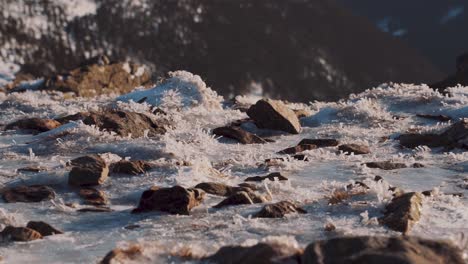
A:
(237, 133)
(279, 210)
(36, 125)
(173, 200)
(403, 212)
(272, 177)
(320, 143)
(19, 234)
(88, 170)
(297, 149)
(93, 196)
(219, 188)
(275, 115)
(385, 165)
(133, 167)
(354, 148)
(28, 194)
(43, 228)
(242, 198)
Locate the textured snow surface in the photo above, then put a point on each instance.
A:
(374, 117)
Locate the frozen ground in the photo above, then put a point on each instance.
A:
(374, 117)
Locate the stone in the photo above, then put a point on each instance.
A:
(43, 228)
(275, 115)
(441, 118)
(320, 143)
(272, 177)
(88, 170)
(403, 212)
(297, 149)
(95, 210)
(133, 253)
(354, 148)
(418, 165)
(378, 249)
(237, 133)
(454, 136)
(93, 196)
(173, 200)
(32, 169)
(301, 113)
(242, 198)
(219, 189)
(457, 134)
(385, 165)
(414, 140)
(19, 234)
(28, 194)
(133, 167)
(36, 125)
(279, 210)
(329, 227)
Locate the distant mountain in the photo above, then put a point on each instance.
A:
(298, 50)
(438, 29)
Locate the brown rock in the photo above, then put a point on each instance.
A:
(403, 212)
(297, 149)
(88, 170)
(133, 167)
(242, 198)
(219, 188)
(237, 133)
(375, 249)
(279, 210)
(93, 196)
(320, 143)
(174, 200)
(43, 228)
(19, 234)
(415, 140)
(28, 194)
(385, 165)
(272, 177)
(133, 253)
(36, 125)
(329, 227)
(274, 115)
(354, 148)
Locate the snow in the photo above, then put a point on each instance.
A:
(195, 109)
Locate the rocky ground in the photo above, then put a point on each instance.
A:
(92, 171)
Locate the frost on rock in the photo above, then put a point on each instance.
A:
(181, 89)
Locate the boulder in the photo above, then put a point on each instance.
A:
(242, 198)
(320, 143)
(28, 194)
(43, 228)
(88, 170)
(279, 210)
(219, 188)
(19, 234)
(403, 212)
(297, 149)
(354, 148)
(133, 167)
(237, 133)
(272, 177)
(93, 196)
(133, 253)
(275, 115)
(173, 200)
(376, 249)
(36, 125)
(385, 165)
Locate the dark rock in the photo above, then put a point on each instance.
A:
(415, 140)
(296, 157)
(274, 115)
(279, 210)
(19, 234)
(36, 125)
(386, 250)
(88, 170)
(133, 167)
(242, 198)
(32, 169)
(460, 77)
(261, 253)
(297, 149)
(329, 227)
(272, 177)
(430, 193)
(457, 133)
(131, 254)
(95, 210)
(418, 165)
(385, 165)
(28, 194)
(442, 118)
(320, 143)
(237, 133)
(403, 212)
(219, 188)
(354, 148)
(93, 196)
(251, 186)
(43, 228)
(174, 200)
(454, 136)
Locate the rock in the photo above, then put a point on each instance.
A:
(93, 196)
(88, 170)
(272, 177)
(297, 149)
(300, 113)
(28, 194)
(242, 198)
(320, 143)
(457, 134)
(275, 115)
(43, 228)
(237, 133)
(174, 200)
(454, 136)
(133, 167)
(376, 249)
(36, 125)
(403, 212)
(354, 148)
(460, 76)
(329, 227)
(32, 169)
(19, 234)
(441, 118)
(95, 210)
(279, 210)
(418, 165)
(219, 188)
(132, 254)
(415, 140)
(385, 165)
(261, 253)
